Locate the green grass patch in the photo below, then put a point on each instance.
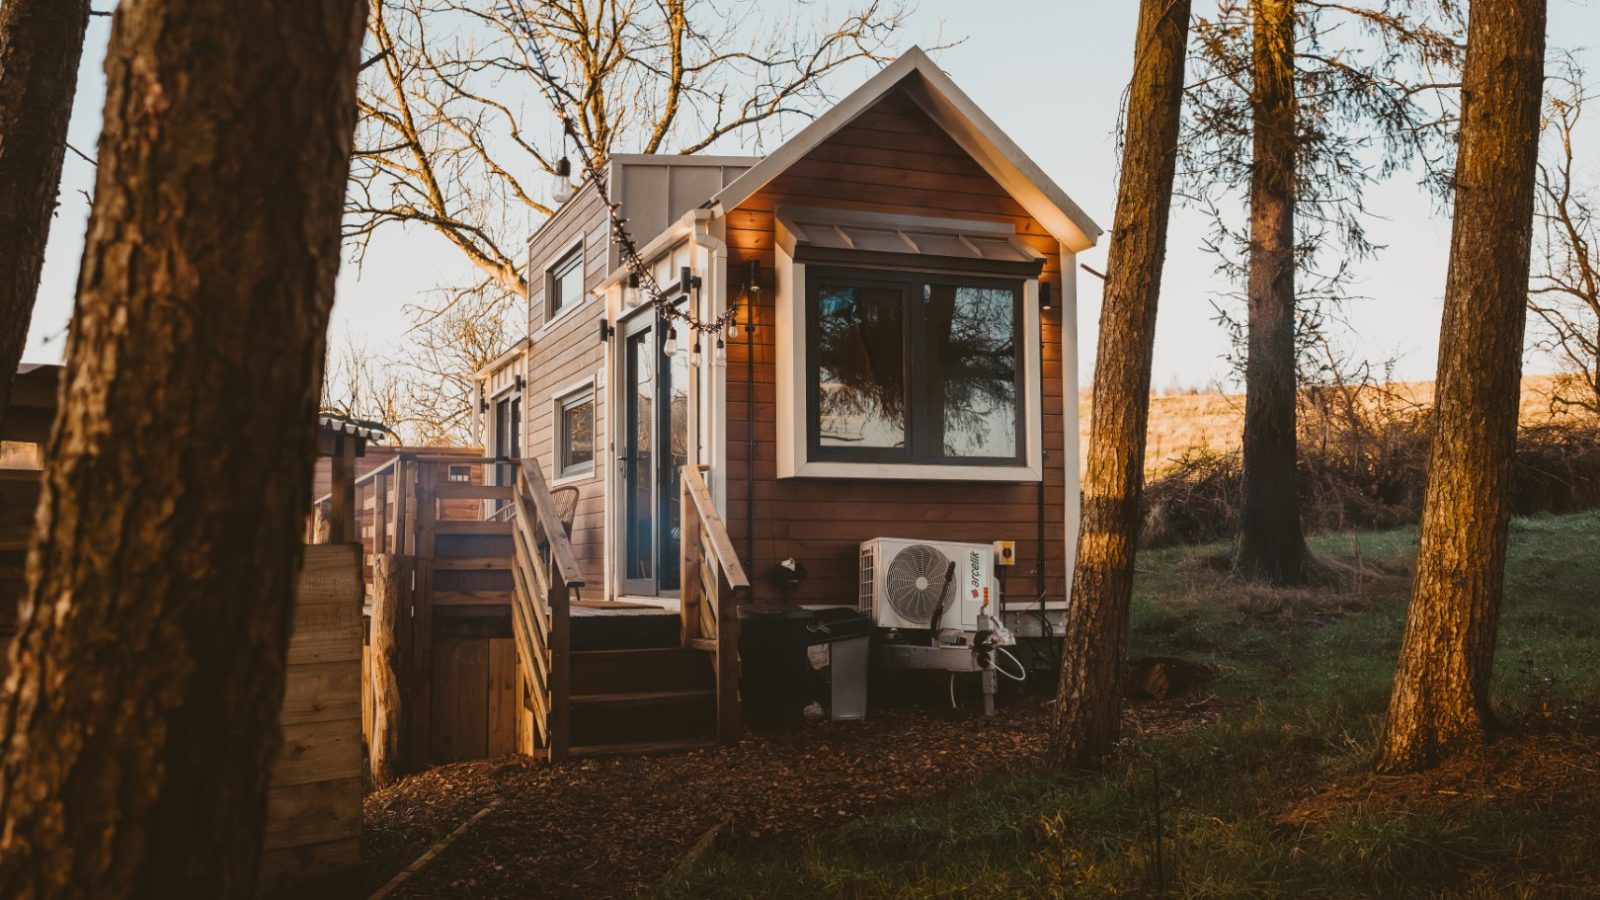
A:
(1303, 677)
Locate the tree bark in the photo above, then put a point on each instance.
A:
(148, 671)
(390, 661)
(1441, 689)
(1089, 701)
(1271, 544)
(41, 42)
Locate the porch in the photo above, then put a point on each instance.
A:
(481, 641)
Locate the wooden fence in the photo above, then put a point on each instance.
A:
(314, 805)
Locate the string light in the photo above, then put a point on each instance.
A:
(639, 273)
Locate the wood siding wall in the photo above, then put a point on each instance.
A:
(562, 354)
(892, 158)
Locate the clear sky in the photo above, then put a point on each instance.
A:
(1051, 73)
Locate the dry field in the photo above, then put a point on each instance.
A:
(1180, 423)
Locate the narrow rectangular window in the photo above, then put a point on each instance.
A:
(564, 283)
(575, 430)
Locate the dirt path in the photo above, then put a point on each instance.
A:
(605, 827)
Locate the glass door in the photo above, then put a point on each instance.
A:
(655, 433)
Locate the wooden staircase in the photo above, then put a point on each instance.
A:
(623, 698)
(642, 700)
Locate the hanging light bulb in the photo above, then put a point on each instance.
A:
(732, 329)
(694, 353)
(722, 351)
(562, 189)
(671, 348)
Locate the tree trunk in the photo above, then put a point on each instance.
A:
(1441, 689)
(41, 42)
(390, 663)
(1089, 704)
(149, 665)
(1271, 545)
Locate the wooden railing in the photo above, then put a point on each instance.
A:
(711, 574)
(545, 573)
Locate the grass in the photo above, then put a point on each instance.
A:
(1275, 799)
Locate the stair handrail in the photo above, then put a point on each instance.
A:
(710, 575)
(541, 606)
(533, 488)
(721, 544)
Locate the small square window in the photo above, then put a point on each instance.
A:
(563, 284)
(459, 473)
(575, 429)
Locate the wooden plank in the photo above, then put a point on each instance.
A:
(728, 714)
(426, 510)
(471, 598)
(462, 490)
(321, 692)
(283, 871)
(330, 574)
(504, 697)
(343, 517)
(728, 560)
(560, 548)
(560, 672)
(319, 752)
(327, 632)
(472, 700)
(315, 813)
(442, 728)
(470, 562)
(479, 527)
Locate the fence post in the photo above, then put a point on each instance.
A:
(559, 718)
(387, 753)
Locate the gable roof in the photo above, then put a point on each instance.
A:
(932, 90)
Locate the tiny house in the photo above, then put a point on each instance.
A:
(902, 359)
(896, 358)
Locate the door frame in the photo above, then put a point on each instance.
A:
(629, 325)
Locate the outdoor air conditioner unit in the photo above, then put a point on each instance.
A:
(904, 583)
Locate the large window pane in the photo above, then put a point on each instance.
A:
(971, 369)
(860, 360)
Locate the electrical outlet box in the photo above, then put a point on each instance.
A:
(1005, 553)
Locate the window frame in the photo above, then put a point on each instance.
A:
(574, 255)
(794, 381)
(561, 403)
(922, 446)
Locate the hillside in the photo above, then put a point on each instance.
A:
(1180, 423)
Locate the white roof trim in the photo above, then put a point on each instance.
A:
(955, 112)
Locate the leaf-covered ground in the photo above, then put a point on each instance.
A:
(1254, 784)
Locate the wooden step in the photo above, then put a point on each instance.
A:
(655, 669)
(642, 747)
(642, 698)
(453, 527)
(643, 716)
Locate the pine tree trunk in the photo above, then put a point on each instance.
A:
(1441, 689)
(41, 42)
(148, 670)
(1271, 544)
(1089, 700)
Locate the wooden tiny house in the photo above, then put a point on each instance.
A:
(902, 363)
(903, 202)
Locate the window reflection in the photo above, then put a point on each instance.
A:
(915, 368)
(972, 352)
(861, 367)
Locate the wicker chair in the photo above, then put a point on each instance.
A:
(566, 501)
